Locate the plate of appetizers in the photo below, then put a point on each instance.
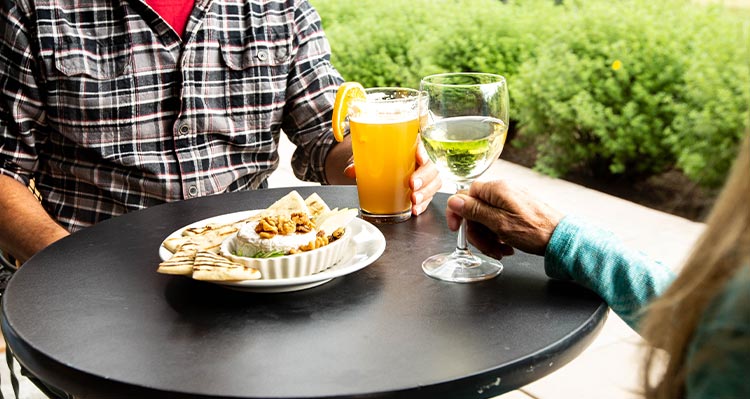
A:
(292, 245)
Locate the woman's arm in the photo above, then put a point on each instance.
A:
(502, 217)
(595, 258)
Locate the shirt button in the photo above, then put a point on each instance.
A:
(184, 129)
(193, 191)
(262, 55)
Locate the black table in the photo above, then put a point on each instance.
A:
(90, 315)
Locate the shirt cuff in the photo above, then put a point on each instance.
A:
(11, 170)
(560, 245)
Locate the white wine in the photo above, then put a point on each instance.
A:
(464, 146)
(463, 129)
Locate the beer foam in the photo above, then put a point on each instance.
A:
(373, 119)
(386, 111)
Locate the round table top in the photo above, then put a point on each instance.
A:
(91, 316)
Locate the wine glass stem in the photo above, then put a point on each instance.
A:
(462, 245)
(461, 242)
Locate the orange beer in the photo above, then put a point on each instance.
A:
(384, 131)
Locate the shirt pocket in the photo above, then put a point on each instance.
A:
(256, 77)
(92, 88)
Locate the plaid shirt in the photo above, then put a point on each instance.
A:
(110, 111)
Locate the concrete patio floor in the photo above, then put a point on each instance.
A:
(609, 368)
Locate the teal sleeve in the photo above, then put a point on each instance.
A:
(719, 354)
(595, 258)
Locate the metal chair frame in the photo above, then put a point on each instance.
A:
(6, 262)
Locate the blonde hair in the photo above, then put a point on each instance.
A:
(722, 249)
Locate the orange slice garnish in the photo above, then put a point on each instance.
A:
(347, 91)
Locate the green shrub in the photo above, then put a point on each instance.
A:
(612, 90)
(372, 41)
(712, 114)
(630, 88)
(487, 36)
(380, 43)
(395, 43)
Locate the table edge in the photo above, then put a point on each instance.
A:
(485, 384)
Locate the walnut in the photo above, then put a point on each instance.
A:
(286, 226)
(269, 226)
(337, 234)
(298, 222)
(320, 241)
(303, 222)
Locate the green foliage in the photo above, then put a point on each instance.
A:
(712, 114)
(396, 42)
(373, 41)
(635, 88)
(630, 88)
(486, 36)
(600, 92)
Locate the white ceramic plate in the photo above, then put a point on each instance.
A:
(366, 245)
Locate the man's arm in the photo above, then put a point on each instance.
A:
(311, 93)
(25, 227)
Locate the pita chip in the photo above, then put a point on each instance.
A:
(181, 262)
(316, 205)
(209, 266)
(286, 205)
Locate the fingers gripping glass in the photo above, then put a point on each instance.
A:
(464, 133)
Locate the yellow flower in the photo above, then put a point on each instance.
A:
(617, 65)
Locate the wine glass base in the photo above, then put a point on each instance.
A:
(461, 267)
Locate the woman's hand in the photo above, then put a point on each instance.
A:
(501, 217)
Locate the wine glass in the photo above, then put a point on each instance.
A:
(463, 131)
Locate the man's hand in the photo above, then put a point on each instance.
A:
(501, 217)
(424, 182)
(339, 163)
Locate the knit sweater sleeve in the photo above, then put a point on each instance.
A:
(595, 258)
